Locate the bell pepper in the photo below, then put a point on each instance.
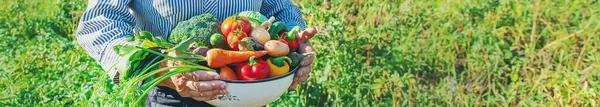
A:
(289, 38)
(254, 69)
(278, 66)
(296, 58)
(277, 28)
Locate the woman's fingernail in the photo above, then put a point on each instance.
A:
(223, 86)
(216, 77)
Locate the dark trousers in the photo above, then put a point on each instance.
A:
(164, 97)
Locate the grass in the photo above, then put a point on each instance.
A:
(369, 53)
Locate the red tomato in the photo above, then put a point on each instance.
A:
(232, 23)
(227, 74)
(234, 37)
(254, 69)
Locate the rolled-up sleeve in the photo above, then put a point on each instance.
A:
(104, 24)
(284, 11)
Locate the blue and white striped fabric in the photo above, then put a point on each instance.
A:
(107, 23)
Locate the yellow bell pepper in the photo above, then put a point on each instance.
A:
(278, 66)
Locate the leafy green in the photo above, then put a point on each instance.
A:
(201, 26)
(139, 48)
(253, 15)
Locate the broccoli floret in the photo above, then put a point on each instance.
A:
(201, 26)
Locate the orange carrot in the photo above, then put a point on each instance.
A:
(217, 58)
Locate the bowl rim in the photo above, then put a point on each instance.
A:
(293, 71)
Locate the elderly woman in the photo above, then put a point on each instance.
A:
(107, 23)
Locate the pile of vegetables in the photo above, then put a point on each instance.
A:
(235, 49)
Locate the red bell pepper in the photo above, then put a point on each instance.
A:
(289, 38)
(254, 69)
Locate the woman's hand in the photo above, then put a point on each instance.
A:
(199, 85)
(305, 64)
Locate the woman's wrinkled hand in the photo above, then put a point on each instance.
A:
(306, 63)
(199, 85)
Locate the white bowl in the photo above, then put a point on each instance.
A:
(254, 93)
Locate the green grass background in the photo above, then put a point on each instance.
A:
(369, 53)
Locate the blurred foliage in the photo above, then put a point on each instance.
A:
(369, 53)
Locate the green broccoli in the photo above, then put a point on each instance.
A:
(201, 26)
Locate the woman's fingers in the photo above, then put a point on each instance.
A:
(204, 98)
(187, 88)
(307, 60)
(302, 71)
(305, 48)
(300, 76)
(297, 80)
(293, 86)
(211, 93)
(309, 32)
(306, 34)
(178, 83)
(207, 85)
(201, 75)
(303, 78)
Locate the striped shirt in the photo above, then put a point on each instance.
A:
(107, 23)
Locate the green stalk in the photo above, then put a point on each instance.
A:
(144, 76)
(167, 56)
(152, 66)
(147, 75)
(192, 68)
(149, 66)
(129, 85)
(192, 57)
(155, 82)
(147, 87)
